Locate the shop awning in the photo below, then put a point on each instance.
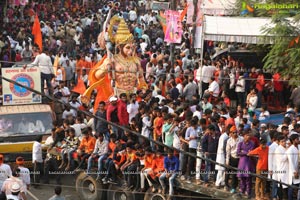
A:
(237, 29)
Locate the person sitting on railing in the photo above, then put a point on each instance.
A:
(86, 147)
(148, 160)
(130, 166)
(68, 148)
(100, 152)
(115, 160)
(171, 165)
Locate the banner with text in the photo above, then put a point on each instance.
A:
(173, 27)
(14, 94)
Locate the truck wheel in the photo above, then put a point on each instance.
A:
(87, 187)
(118, 193)
(149, 195)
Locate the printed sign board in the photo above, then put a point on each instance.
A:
(174, 28)
(156, 5)
(14, 94)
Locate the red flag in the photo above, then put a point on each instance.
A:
(37, 33)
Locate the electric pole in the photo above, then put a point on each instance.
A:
(173, 6)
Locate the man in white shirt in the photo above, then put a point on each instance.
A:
(213, 88)
(293, 158)
(271, 163)
(207, 73)
(64, 91)
(100, 152)
(37, 159)
(132, 107)
(132, 15)
(220, 180)
(5, 171)
(24, 172)
(232, 158)
(43, 61)
(281, 165)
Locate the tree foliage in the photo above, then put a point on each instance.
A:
(284, 53)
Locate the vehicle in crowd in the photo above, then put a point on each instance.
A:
(20, 126)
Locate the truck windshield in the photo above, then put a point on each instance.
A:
(25, 124)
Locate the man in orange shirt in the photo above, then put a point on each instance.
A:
(148, 158)
(129, 168)
(86, 147)
(157, 167)
(157, 125)
(261, 168)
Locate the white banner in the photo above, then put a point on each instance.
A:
(14, 94)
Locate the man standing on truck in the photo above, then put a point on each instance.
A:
(43, 61)
(37, 159)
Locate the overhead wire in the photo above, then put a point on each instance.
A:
(149, 139)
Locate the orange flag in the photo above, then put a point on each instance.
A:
(183, 13)
(80, 87)
(36, 31)
(104, 91)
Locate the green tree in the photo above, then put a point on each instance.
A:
(284, 52)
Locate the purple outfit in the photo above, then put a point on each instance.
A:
(245, 166)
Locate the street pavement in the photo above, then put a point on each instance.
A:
(45, 191)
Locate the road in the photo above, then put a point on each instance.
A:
(45, 191)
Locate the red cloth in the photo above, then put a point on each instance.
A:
(229, 121)
(278, 86)
(260, 82)
(110, 109)
(255, 141)
(123, 115)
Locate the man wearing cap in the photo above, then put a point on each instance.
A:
(5, 171)
(232, 158)
(112, 114)
(24, 172)
(15, 191)
(14, 185)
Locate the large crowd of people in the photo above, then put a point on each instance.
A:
(205, 107)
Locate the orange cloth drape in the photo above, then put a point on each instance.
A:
(80, 87)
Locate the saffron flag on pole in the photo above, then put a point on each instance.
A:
(37, 33)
